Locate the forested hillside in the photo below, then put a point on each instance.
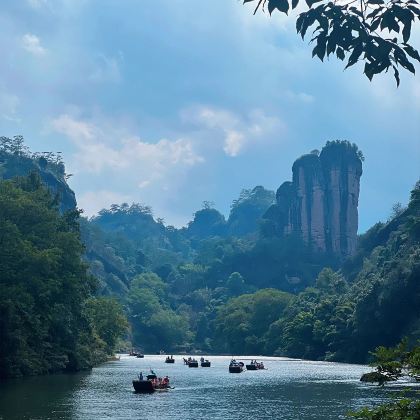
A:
(50, 319)
(249, 283)
(214, 286)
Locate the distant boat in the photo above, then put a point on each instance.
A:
(235, 367)
(190, 362)
(140, 356)
(254, 365)
(193, 363)
(205, 362)
(151, 384)
(170, 360)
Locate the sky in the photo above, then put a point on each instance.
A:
(171, 103)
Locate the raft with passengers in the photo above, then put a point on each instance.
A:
(193, 363)
(254, 365)
(150, 383)
(236, 367)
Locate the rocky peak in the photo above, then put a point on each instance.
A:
(320, 204)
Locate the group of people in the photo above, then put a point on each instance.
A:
(259, 365)
(190, 359)
(158, 383)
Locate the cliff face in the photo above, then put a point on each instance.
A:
(52, 175)
(320, 204)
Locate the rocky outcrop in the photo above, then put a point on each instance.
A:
(52, 176)
(320, 204)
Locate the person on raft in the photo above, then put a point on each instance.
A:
(141, 376)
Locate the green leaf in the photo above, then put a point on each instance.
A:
(321, 46)
(308, 20)
(369, 70)
(375, 23)
(331, 46)
(406, 32)
(282, 5)
(354, 56)
(299, 22)
(374, 13)
(396, 75)
(295, 3)
(389, 22)
(413, 53)
(340, 53)
(311, 2)
(401, 58)
(415, 10)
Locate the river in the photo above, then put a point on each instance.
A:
(288, 389)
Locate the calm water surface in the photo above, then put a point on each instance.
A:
(289, 389)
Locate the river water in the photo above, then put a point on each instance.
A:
(288, 389)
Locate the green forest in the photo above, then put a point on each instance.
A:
(51, 317)
(74, 290)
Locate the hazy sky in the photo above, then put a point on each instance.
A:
(172, 102)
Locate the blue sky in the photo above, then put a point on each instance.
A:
(171, 103)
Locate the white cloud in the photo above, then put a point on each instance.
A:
(32, 44)
(236, 132)
(75, 129)
(147, 162)
(234, 142)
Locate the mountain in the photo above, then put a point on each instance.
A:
(283, 274)
(17, 160)
(320, 203)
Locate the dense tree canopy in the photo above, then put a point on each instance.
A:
(45, 324)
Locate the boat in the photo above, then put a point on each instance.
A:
(204, 362)
(251, 366)
(149, 386)
(140, 356)
(143, 387)
(170, 360)
(235, 367)
(254, 365)
(193, 363)
(190, 362)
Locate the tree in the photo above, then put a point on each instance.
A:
(354, 30)
(391, 364)
(235, 283)
(108, 319)
(44, 284)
